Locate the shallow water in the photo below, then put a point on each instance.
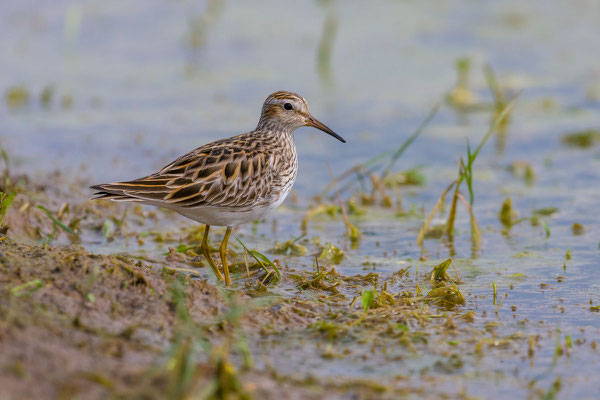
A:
(149, 81)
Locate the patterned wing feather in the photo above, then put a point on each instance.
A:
(226, 173)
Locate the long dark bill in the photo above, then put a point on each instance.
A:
(315, 123)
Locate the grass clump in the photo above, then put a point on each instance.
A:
(320, 279)
(448, 296)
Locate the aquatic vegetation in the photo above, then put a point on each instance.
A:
(576, 228)
(331, 330)
(409, 177)
(544, 212)
(439, 273)
(320, 279)
(17, 96)
(500, 103)
(507, 216)
(523, 170)
(465, 174)
(290, 248)
(325, 48)
(354, 208)
(406, 144)
(367, 170)
(366, 299)
(263, 261)
(582, 139)
(461, 96)
(320, 209)
(47, 95)
(372, 316)
(331, 254)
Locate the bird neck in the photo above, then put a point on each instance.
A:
(268, 125)
(271, 124)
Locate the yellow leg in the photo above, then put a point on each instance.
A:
(224, 256)
(206, 251)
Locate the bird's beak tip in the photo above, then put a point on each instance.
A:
(315, 123)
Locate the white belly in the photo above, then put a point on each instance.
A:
(219, 216)
(227, 216)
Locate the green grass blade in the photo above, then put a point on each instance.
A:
(261, 259)
(26, 288)
(55, 220)
(469, 170)
(6, 200)
(497, 121)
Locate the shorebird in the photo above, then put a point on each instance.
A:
(231, 181)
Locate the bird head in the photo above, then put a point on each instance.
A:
(288, 111)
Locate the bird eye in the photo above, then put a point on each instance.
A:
(288, 106)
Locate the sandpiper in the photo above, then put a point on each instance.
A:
(231, 181)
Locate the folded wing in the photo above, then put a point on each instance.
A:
(219, 174)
